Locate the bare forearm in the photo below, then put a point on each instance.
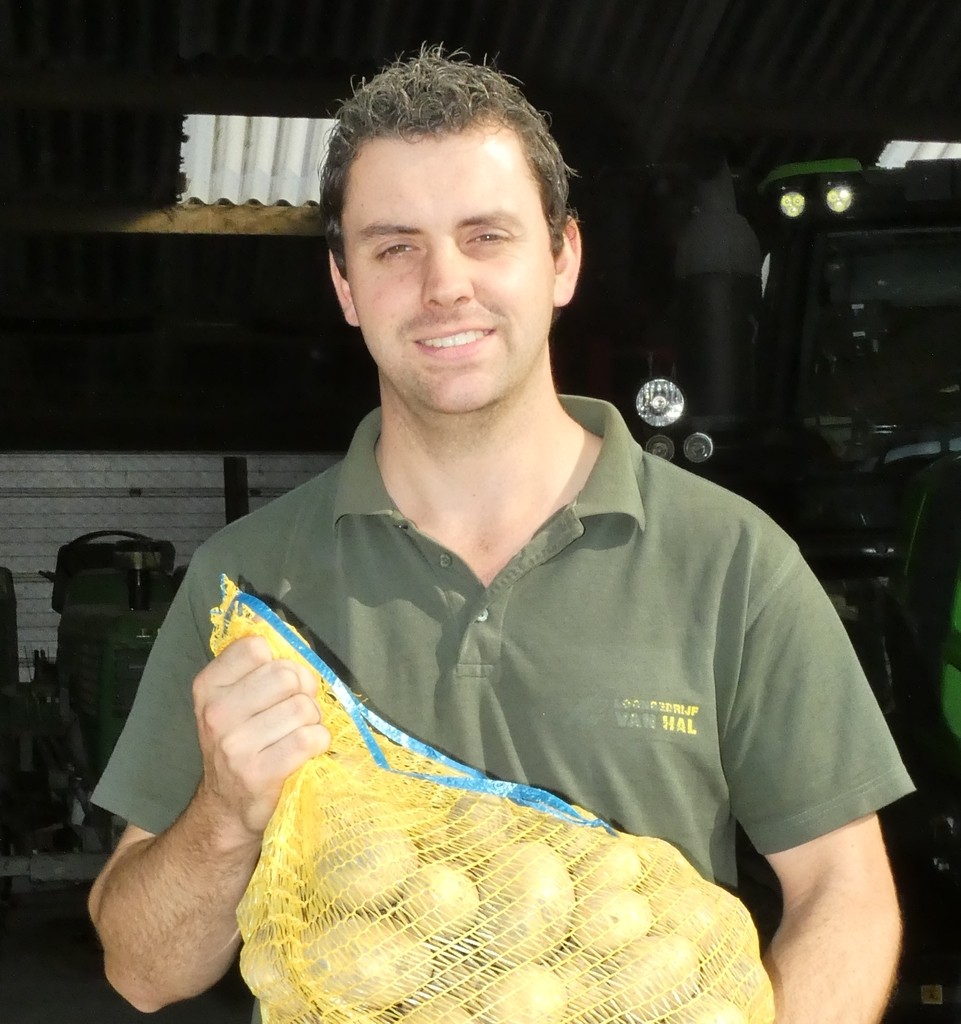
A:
(835, 962)
(165, 912)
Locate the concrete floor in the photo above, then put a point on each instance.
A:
(51, 971)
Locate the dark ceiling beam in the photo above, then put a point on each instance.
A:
(174, 220)
(250, 94)
(693, 34)
(715, 117)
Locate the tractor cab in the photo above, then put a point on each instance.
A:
(811, 360)
(860, 351)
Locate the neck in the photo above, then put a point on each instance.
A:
(481, 484)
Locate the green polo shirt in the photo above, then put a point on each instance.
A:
(658, 653)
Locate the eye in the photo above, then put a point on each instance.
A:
(397, 249)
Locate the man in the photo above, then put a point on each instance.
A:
(505, 575)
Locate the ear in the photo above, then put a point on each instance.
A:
(567, 264)
(342, 288)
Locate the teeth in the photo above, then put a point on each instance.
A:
(453, 340)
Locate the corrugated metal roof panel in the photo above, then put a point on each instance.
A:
(238, 159)
(900, 151)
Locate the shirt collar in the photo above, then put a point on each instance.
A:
(611, 487)
(361, 490)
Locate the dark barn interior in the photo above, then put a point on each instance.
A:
(125, 325)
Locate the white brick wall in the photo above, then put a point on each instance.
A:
(48, 499)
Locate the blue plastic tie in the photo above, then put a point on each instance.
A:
(366, 721)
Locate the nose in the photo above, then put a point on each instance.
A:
(447, 279)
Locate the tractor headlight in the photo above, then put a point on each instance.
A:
(660, 402)
(661, 446)
(792, 203)
(839, 198)
(698, 447)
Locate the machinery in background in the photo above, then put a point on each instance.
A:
(698, 404)
(840, 416)
(9, 668)
(859, 350)
(112, 590)
(852, 394)
(859, 347)
(819, 387)
(923, 641)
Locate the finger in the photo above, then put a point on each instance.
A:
(248, 654)
(291, 751)
(262, 730)
(237, 659)
(244, 658)
(222, 709)
(254, 785)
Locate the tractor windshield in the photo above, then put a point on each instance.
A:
(883, 345)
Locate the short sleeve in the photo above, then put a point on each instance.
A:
(805, 747)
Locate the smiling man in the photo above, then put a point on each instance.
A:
(504, 574)
(453, 286)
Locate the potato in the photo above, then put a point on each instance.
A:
(652, 976)
(577, 840)
(662, 864)
(608, 920)
(706, 1009)
(525, 995)
(527, 901)
(364, 863)
(369, 963)
(611, 865)
(439, 900)
(267, 975)
(698, 912)
(528, 870)
(585, 988)
(519, 934)
(479, 823)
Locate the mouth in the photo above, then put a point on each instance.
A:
(454, 340)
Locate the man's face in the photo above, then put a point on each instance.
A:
(451, 278)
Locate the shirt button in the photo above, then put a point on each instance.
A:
(445, 560)
(483, 616)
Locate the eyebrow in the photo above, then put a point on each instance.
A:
(493, 217)
(382, 229)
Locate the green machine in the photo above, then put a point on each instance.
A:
(861, 428)
(925, 637)
(9, 669)
(112, 590)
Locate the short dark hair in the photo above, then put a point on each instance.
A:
(438, 93)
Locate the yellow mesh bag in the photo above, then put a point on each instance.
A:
(396, 886)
